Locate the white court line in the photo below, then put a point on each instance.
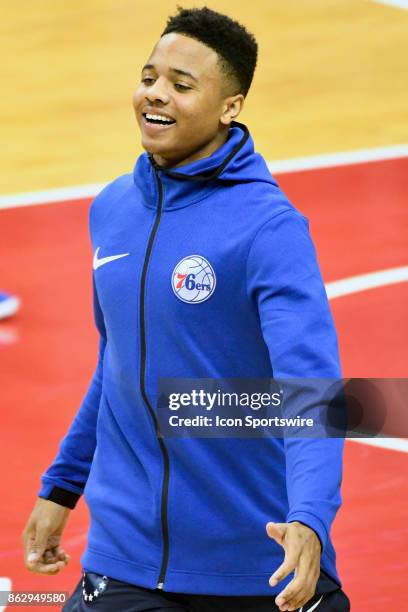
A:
(330, 160)
(403, 4)
(51, 196)
(5, 586)
(398, 444)
(354, 284)
(362, 282)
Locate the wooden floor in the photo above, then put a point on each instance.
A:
(332, 76)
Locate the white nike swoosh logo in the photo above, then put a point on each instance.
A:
(97, 263)
(313, 607)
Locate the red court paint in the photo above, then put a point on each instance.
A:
(358, 219)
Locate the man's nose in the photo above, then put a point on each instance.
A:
(157, 92)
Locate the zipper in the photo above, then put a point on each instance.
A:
(166, 462)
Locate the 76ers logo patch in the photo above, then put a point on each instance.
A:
(193, 279)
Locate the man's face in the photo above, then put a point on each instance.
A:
(183, 82)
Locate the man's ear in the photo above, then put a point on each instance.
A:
(231, 108)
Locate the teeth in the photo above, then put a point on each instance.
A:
(158, 118)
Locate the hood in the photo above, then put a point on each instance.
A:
(234, 162)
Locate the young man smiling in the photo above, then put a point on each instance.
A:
(202, 269)
(197, 103)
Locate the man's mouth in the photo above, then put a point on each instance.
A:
(158, 120)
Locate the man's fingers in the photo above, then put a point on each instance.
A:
(292, 548)
(302, 557)
(47, 568)
(276, 531)
(288, 566)
(50, 557)
(303, 586)
(62, 555)
(37, 543)
(52, 561)
(54, 553)
(296, 591)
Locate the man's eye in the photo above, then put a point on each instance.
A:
(181, 87)
(148, 80)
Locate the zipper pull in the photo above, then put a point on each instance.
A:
(160, 585)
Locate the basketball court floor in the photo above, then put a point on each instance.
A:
(328, 110)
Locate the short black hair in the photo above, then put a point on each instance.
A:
(236, 48)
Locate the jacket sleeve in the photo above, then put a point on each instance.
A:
(64, 481)
(284, 279)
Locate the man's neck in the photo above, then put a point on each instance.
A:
(204, 151)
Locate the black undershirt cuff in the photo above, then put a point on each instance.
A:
(63, 497)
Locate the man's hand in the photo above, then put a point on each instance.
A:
(41, 538)
(302, 555)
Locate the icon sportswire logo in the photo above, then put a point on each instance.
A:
(193, 279)
(97, 263)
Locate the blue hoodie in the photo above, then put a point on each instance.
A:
(189, 514)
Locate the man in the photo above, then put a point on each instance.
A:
(202, 269)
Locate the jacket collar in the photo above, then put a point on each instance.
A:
(192, 182)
